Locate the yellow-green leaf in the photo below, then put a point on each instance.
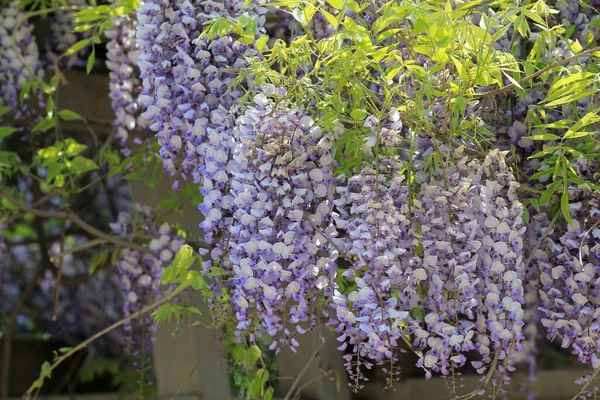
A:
(77, 46)
(44, 124)
(68, 115)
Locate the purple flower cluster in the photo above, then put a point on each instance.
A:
(443, 266)
(569, 281)
(61, 37)
(139, 273)
(187, 77)
(281, 262)
(14, 33)
(125, 86)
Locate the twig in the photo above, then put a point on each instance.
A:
(597, 224)
(86, 245)
(485, 383)
(93, 338)
(77, 221)
(312, 358)
(542, 71)
(324, 374)
(200, 358)
(61, 264)
(587, 384)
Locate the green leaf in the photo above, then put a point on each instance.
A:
(575, 135)
(545, 197)
(6, 131)
(254, 354)
(418, 313)
(68, 115)
(98, 260)
(525, 215)
(77, 46)
(564, 204)
(261, 43)
(185, 257)
(269, 394)
(545, 136)
(299, 16)
(337, 4)
(358, 115)
(75, 148)
(54, 169)
(79, 165)
(330, 18)
(44, 124)
(572, 97)
(48, 152)
(46, 370)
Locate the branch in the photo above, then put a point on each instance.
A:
(90, 340)
(593, 377)
(290, 392)
(542, 71)
(485, 383)
(77, 221)
(200, 358)
(87, 245)
(61, 264)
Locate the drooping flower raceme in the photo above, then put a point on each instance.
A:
(185, 74)
(125, 86)
(569, 281)
(444, 267)
(140, 273)
(16, 36)
(472, 231)
(281, 264)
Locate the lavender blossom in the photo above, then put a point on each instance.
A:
(16, 35)
(125, 85)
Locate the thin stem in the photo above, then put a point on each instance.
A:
(105, 331)
(585, 387)
(77, 221)
(200, 358)
(61, 264)
(542, 71)
(87, 245)
(312, 358)
(485, 383)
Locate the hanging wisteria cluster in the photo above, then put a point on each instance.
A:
(441, 263)
(125, 86)
(281, 188)
(140, 273)
(404, 194)
(19, 58)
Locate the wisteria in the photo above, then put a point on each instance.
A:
(140, 273)
(19, 58)
(418, 177)
(282, 182)
(61, 37)
(125, 85)
(568, 277)
(185, 77)
(460, 290)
